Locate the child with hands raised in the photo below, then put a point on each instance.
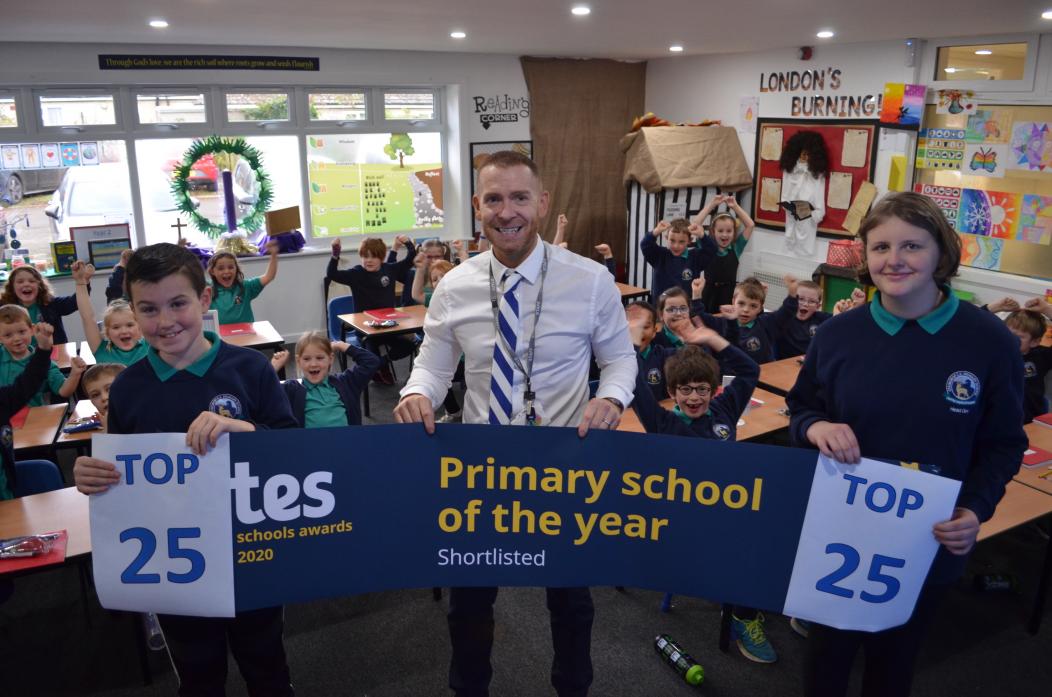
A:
(730, 233)
(231, 294)
(26, 286)
(17, 335)
(120, 340)
(678, 263)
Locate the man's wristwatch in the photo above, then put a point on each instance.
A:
(616, 402)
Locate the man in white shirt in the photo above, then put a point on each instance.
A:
(568, 309)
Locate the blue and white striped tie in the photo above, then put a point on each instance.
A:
(502, 380)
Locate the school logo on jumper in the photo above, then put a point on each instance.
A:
(7, 436)
(752, 344)
(962, 388)
(1029, 370)
(653, 376)
(237, 300)
(385, 281)
(812, 329)
(226, 405)
(687, 274)
(722, 431)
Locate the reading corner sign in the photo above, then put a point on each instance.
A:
(206, 62)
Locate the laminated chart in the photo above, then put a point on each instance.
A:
(371, 183)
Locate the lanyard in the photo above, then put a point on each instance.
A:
(529, 395)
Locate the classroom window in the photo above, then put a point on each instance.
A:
(55, 186)
(8, 112)
(337, 106)
(409, 106)
(981, 62)
(77, 110)
(158, 158)
(372, 183)
(264, 106)
(160, 107)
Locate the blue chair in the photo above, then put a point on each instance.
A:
(343, 305)
(37, 477)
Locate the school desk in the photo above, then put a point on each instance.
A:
(62, 353)
(759, 420)
(39, 429)
(1040, 436)
(407, 325)
(780, 376)
(629, 293)
(263, 336)
(81, 441)
(61, 509)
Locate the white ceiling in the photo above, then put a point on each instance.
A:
(634, 29)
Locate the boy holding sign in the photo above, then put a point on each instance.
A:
(192, 382)
(951, 403)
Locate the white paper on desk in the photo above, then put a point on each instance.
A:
(202, 502)
(831, 521)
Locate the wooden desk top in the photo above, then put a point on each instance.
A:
(413, 323)
(628, 292)
(1041, 436)
(62, 509)
(62, 353)
(1020, 505)
(780, 376)
(759, 421)
(83, 409)
(40, 427)
(264, 336)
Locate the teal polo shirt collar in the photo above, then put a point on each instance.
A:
(931, 322)
(675, 340)
(645, 353)
(197, 368)
(683, 417)
(747, 326)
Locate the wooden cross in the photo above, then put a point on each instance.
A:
(179, 225)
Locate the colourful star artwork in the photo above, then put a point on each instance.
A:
(989, 213)
(1035, 220)
(981, 252)
(1031, 146)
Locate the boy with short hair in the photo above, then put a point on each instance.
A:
(679, 263)
(373, 286)
(1029, 325)
(205, 387)
(16, 338)
(642, 327)
(758, 331)
(802, 319)
(15, 396)
(96, 382)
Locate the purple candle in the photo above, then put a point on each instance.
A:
(228, 201)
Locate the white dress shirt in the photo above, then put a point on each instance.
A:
(581, 314)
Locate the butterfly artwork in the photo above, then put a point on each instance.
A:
(985, 159)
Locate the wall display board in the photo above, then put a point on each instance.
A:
(998, 193)
(372, 183)
(852, 148)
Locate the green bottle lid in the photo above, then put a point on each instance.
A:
(695, 675)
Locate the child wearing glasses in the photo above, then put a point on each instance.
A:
(674, 308)
(804, 301)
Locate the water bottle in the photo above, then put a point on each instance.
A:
(676, 657)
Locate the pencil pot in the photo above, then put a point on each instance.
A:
(846, 253)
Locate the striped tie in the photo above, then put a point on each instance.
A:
(503, 377)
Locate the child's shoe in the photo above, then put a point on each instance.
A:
(752, 640)
(801, 627)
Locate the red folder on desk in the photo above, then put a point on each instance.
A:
(386, 313)
(19, 418)
(1044, 420)
(57, 555)
(236, 329)
(1036, 457)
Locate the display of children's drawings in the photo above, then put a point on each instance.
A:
(805, 163)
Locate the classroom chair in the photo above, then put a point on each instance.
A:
(342, 305)
(37, 477)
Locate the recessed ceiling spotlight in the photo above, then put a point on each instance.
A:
(1047, 14)
(825, 34)
(159, 23)
(676, 48)
(983, 52)
(581, 10)
(458, 35)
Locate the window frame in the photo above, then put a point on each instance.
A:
(327, 124)
(20, 113)
(226, 126)
(1026, 84)
(163, 127)
(408, 124)
(119, 124)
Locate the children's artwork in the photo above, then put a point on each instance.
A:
(985, 159)
(770, 194)
(947, 198)
(940, 148)
(49, 155)
(981, 252)
(771, 145)
(989, 213)
(9, 157)
(89, 153)
(856, 148)
(1035, 220)
(748, 110)
(30, 155)
(839, 190)
(70, 154)
(956, 102)
(1031, 146)
(989, 126)
(859, 207)
(903, 105)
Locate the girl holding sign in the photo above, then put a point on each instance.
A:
(914, 376)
